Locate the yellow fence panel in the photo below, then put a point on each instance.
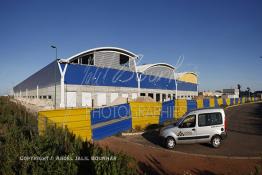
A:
(211, 102)
(200, 103)
(77, 121)
(239, 101)
(228, 101)
(220, 101)
(180, 107)
(243, 100)
(145, 114)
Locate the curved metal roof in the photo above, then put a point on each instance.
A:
(143, 68)
(116, 49)
(183, 73)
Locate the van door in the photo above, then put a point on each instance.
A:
(186, 131)
(208, 125)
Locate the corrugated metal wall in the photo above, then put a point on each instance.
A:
(112, 60)
(76, 120)
(144, 114)
(95, 76)
(191, 105)
(160, 71)
(181, 107)
(43, 78)
(108, 121)
(111, 120)
(167, 112)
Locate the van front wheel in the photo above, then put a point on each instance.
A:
(170, 143)
(216, 141)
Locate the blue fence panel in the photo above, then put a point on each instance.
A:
(231, 101)
(206, 103)
(224, 102)
(111, 129)
(191, 105)
(111, 120)
(109, 113)
(216, 103)
(167, 112)
(237, 100)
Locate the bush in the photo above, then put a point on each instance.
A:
(19, 138)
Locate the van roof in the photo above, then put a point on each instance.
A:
(208, 109)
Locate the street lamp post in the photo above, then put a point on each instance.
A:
(175, 77)
(54, 47)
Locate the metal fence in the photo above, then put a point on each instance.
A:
(107, 121)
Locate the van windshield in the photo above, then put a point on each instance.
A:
(180, 120)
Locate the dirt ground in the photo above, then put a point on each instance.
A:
(159, 161)
(152, 159)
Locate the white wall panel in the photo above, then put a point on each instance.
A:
(71, 99)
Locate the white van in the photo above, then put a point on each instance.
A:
(198, 126)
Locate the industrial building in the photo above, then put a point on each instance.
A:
(99, 76)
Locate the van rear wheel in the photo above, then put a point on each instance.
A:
(170, 143)
(216, 141)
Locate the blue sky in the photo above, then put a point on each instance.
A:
(220, 39)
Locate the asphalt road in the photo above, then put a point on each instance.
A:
(244, 135)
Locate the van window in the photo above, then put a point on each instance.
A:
(209, 119)
(189, 122)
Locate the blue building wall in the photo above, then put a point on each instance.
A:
(97, 76)
(43, 78)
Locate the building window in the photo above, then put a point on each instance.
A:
(151, 95)
(163, 97)
(88, 59)
(124, 60)
(157, 97)
(142, 94)
(49, 97)
(44, 97)
(75, 61)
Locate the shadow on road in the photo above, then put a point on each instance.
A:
(246, 119)
(153, 137)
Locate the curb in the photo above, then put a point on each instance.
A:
(242, 104)
(133, 134)
(198, 155)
